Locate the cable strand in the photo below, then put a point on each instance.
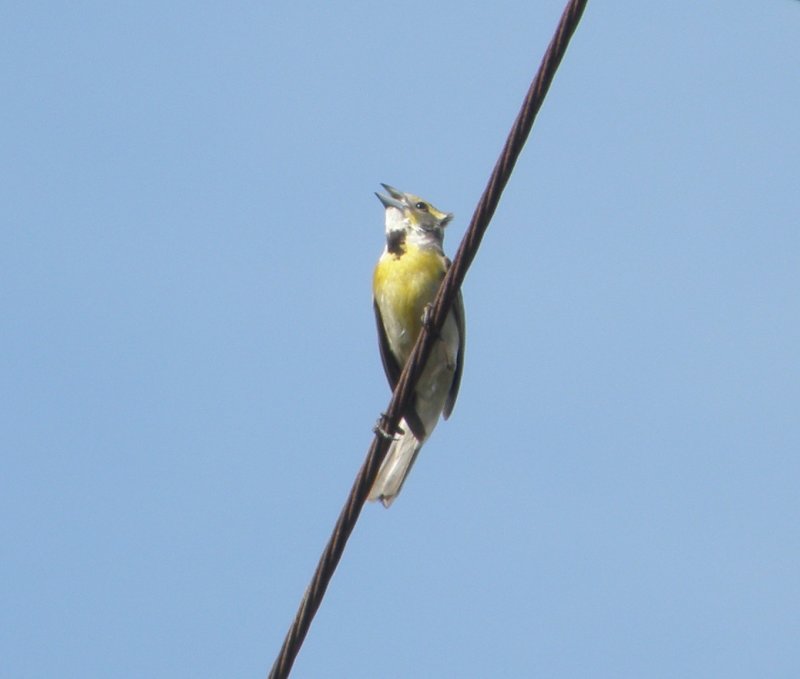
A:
(404, 390)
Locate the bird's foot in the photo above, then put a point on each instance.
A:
(381, 430)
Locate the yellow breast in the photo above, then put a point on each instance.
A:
(403, 285)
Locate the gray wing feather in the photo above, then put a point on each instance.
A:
(458, 312)
(390, 365)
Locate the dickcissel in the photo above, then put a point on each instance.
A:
(405, 283)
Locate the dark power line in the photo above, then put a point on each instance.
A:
(404, 390)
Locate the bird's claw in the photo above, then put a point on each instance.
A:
(381, 431)
(427, 316)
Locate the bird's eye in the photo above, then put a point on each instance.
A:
(422, 206)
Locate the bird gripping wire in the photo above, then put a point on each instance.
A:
(404, 390)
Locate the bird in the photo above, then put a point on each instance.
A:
(404, 285)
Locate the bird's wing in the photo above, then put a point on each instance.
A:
(390, 365)
(458, 312)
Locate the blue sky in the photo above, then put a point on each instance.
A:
(190, 370)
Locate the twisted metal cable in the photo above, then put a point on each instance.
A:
(404, 390)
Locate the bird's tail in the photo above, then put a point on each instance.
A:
(401, 456)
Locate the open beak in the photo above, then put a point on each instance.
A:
(393, 192)
(394, 199)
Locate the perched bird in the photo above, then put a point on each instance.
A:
(405, 283)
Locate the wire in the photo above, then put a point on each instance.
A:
(404, 390)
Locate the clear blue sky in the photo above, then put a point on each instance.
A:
(190, 371)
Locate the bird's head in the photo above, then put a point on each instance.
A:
(420, 220)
